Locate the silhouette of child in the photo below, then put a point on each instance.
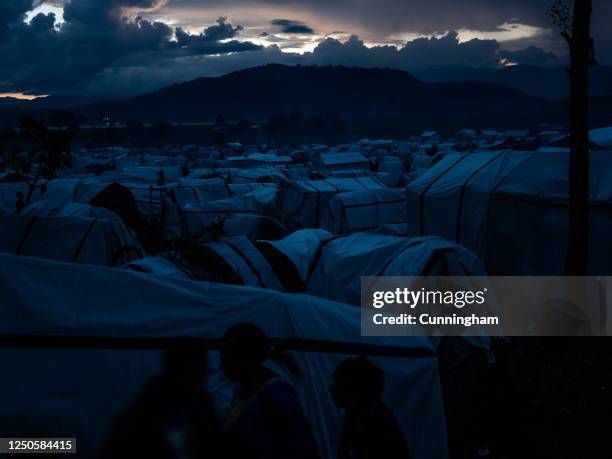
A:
(265, 419)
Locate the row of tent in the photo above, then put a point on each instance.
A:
(260, 253)
(479, 200)
(318, 263)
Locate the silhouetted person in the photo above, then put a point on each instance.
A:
(172, 417)
(370, 430)
(265, 419)
(19, 204)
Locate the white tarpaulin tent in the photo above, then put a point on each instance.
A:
(58, 191)
(155, 206)
(301, 248)
(341, 261)
(263, 174)
(72, 239)
(350, 173)
(291, 257)
(254, 227)
(304, 202)
(201, 174)
(240, 189)
(51, 392)
(157, 266)
(8, 195)
(247, 262)
(150, 174)
(341, 160)
(364, 210)
(42, 209)
(602, 136)
(511, 209)
(200, 191)
(197, 218)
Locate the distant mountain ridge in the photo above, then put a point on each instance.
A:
(355, 93)
(386, 98)
(546, 82)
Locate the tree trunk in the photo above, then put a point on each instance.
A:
(580, 52)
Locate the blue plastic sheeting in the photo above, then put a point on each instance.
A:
(77, 392)
(511, 209)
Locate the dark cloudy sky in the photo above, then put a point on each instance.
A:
(116, 48)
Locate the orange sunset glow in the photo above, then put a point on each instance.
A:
(21, 96)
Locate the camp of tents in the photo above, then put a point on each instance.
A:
(183, 243)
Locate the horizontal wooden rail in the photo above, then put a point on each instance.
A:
(160, 343)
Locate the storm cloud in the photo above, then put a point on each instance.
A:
(531, 56)
(97, 36)
(115, 48)
(292, 27)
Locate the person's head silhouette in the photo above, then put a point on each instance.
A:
(244, 347)
(356, 382)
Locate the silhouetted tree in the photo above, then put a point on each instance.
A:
(43, 155)
(575, 23)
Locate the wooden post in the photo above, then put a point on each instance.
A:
(580, 45)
